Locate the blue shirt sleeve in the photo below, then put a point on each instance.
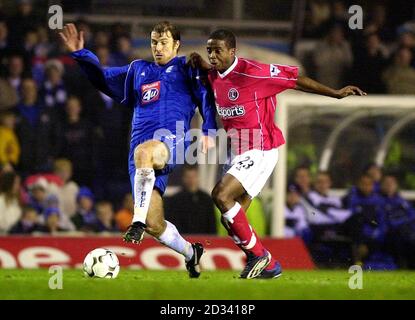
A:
(205, 101)
(114, 82)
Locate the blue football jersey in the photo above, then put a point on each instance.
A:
(161, 96)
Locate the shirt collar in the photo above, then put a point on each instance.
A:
(230, 69)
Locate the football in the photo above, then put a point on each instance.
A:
(101, 263)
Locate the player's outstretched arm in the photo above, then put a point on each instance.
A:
(111, 81)
(196, 61)
(309, 85)
(72, 39)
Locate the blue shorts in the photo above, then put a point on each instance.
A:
(162, 176)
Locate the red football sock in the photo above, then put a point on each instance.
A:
(239, 226)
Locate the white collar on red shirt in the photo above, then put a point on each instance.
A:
(229, 70)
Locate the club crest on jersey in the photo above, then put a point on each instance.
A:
(150, 92)
(233, 94)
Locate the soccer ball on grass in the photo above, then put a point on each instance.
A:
(101, 263)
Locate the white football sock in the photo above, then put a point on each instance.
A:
(172, 239)
(143, 187)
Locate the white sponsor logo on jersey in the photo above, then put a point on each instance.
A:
(231, 112)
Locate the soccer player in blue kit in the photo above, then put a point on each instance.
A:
(162, 93)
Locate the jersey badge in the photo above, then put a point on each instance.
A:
(233, 94)
(150, 92)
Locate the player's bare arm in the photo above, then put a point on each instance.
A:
(72, 39)
(309, 85)
(196, 61)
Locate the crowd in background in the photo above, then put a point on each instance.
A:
(380, 57)
(372, 224)
(64, 145)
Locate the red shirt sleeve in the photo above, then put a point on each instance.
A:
(272, 79)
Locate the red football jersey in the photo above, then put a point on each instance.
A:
(246, 102)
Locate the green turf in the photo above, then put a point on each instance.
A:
(139, 284)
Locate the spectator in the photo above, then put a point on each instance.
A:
(191, 209)
(326, 210)
(400, 219)
(123, 52)
(78, 142)
(16, 72)
(124, 216)
(302, 178)
(38, 192)
(44, 45)
(52, 221)
(375, 172)
(367, 226)
(101, 38)
(53, 92)
(8, 95)
(24, 20)
(30, 42)
(37, 130)
(28, 222)
(333, 58)
(105, 218)
(85, 214)
(319, 14)
(400, 76)
(339, 16)
(65, 223)
(4, 42)
(407, 40)
(41, 52)
(370, 61)
(10, 210)
(9, 144)
(295, 215)
(378, 23)
(103, 54)
(325, 216)
(68, 192)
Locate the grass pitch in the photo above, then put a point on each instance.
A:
(217, 285)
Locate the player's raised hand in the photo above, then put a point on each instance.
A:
(195, 60)
(72, 39)
(207, 143)
(350, 91)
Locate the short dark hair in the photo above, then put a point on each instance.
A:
(165, 26)
(225, 35)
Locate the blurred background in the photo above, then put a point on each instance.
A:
(349, 170)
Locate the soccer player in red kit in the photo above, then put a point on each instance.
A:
(245, 100)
